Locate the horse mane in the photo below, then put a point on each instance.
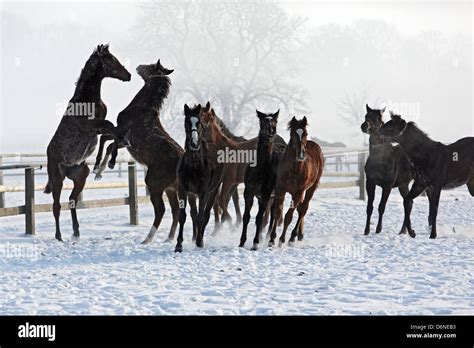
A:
(225, 131)
(153, 93)
(415, 127)
(87, 72)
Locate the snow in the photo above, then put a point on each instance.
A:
(335, 270)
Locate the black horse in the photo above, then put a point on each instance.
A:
(198, 173)
(435, 166)
(260, 180)
(387, 167)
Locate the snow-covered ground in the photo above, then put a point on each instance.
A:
(335, 270)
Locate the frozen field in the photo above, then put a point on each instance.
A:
(335, 270)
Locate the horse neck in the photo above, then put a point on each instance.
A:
(152, 95)
(89, 83)
(374, 139)
(221, 139)
(415, 143)
(264, 149)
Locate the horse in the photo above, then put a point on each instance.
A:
(76, 136)
(150, 145)
(199, 173)
(260, 179)
(298, 173)
(387, 166)
(436, 166)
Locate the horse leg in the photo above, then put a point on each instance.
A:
(78, 174)
(174, 204)
(248, 197)
(262, 207)
(403, 189)
(415, 191)
(205, 219)
(217, 218)
(235, 200)
(103, 139)
(56, 178)
(383, 202)
(99, 170)
(277, 210)
(370, 188)
(115, 148)
(298, 205)
(223, 200)
(194, 212)
(182, 218)
(156, 196)
(434, 203)
(302, 209)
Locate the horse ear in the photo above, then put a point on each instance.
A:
(259, 114)
(158, 63)
(275, 115)
(382, 110)
(208, 106)
(367, 107)
(186, 107)
(168, 71)
(305, 121)
(391, 113)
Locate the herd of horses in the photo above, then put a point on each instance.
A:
(194, 174)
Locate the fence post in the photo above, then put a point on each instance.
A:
(362, 156)
(30, 200)
(132, 193)
(2, 194)
(120, 170)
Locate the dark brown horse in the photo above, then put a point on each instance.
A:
(260, 179)
(435, 166)
(150, 144)
(243, 153)
(387, 167)
(199, 173)
(76, 136)
(299, 172)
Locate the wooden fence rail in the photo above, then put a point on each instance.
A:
(29, 209)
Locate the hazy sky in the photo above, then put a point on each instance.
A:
(112, 21)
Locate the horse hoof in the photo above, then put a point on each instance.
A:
(98, 177)
(300, 238)
(403, 232)
(146, 241)
(199, 243)
(178, 249)
(280, 243)
(59, 238)
(412, 233)
(254, 247)
(75, 238)
(366, 233)
(111, 165)
(271, 244)
(377, 231)
(432, 236)
(95, 170)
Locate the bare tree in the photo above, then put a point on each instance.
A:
(238, 55)
(352, 110)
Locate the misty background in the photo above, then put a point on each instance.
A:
(321, 59)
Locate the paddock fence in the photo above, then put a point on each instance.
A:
(344, 167)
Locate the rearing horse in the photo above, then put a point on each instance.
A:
(76, 136)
